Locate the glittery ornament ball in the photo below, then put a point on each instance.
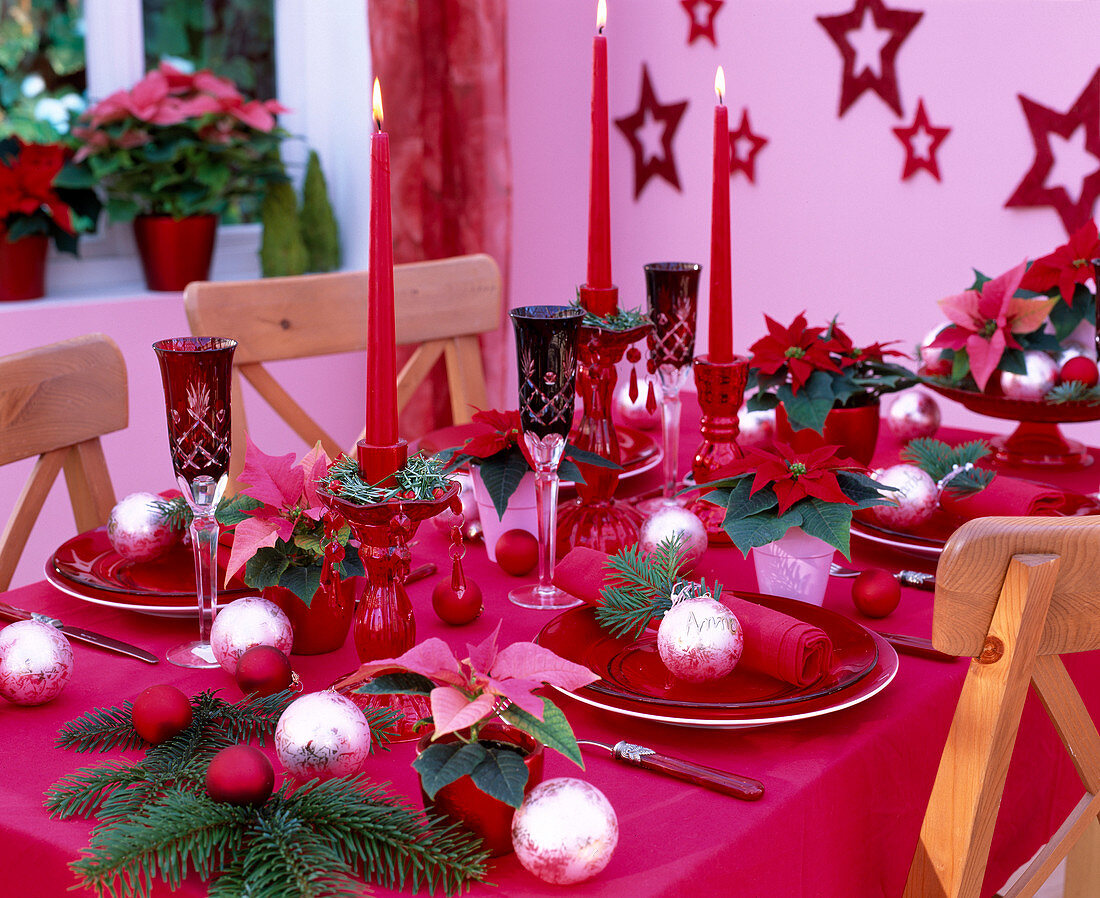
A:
(137, 529)
(36, 661)
(632, 412)
(916, 496)
(1041, 375)
(246, 622)
(755, 429)
(322, 735)
(447, 519)
(665, 523)
(700, 640)
(913, 414)
(931, 359)
(565, 831)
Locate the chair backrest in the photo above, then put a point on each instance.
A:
(1013, 594)
(441, 305)
(55, 403)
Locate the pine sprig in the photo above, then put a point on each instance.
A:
(101, 729)
(619, 320)
(641, 587)
(281, 850)
(941, 460)
(422, 477)
(1073, 391)
(175, 512)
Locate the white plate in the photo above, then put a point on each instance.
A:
(896, 541)
(171, 608)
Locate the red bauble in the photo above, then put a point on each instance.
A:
(160, 713)
(517, 552)
(876, 593)
(265, 670)
(1080, 368)
(240, 775)
(454, 608)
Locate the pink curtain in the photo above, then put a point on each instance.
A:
(442, 66)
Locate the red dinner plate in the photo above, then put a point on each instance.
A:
(87, 567)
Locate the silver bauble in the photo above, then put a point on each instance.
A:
(565, 831)
(322, 735)
(913, 414)
(756, 428)
(248, 622)
(699, 639)
(137, 529)
(665, 523)
(915, 499)
(929, 357)
(1040, 377)
(632, 412)
(447, 519)
(36, 661)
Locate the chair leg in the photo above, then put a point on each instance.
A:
(89, 483)
(1083, 865)
(465, 378)
(953, 850)
(25, 513)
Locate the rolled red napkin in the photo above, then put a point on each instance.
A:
(1008, 496)
(776, 644)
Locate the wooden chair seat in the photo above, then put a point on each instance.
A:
(441, 305)
(1013, 594)
(55, 403)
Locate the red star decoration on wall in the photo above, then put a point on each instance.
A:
(647, 165)
(700, 28)
(1042, 122)
(921, 141)
(884, 82)
(744, 133)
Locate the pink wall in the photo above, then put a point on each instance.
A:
(828, 226)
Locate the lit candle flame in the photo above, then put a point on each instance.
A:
(377, 105)
(601, 15)
(720, 84)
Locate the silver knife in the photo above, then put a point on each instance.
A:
(10, 612)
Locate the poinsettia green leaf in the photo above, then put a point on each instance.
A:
(302, 580)
(862, 490)
(811, 404)
(762, 402)
(403, 683)
(1013, 361)
(960, 365)
(589, 458)
(265, 567)
(760, 529)
(308, 541)
(501, 474)
(741, 503)
(828, 521)
(249, 537)
(440, 764)
(569, 471)
(552, 731)
(351, 566)
(502, 774)
(232, 511)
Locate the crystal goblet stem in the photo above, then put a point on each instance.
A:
(672, 380)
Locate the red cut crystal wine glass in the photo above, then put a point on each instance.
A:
(196, 372)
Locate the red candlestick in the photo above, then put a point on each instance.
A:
(720, 342)
(599, 191)
(381, 417)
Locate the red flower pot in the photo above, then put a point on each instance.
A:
(23, 267)
(175, 251)
(464, 803)
(854, 430)
(322, 625)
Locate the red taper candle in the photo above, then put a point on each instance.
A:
(381, 417)
(720, 340)
(599, 191)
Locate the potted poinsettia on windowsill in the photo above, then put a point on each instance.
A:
(504, 474)
(174, 153)
(35, 207)
(824, 388)
(301, 556)
(484, 748)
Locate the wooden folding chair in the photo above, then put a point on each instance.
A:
(1013, 594)
(442, 305)
(56, 402)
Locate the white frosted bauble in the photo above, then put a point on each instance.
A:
(913, 414)
(633, 413)
(700, 640)
(929, 357)
(447, 519)
(1041, 376)
(665, 523)
(565, 831)
(916, 498)
(247, 622)
(36, 661)
(1082, 339)
(137, 529)
(756, 429)
(322, 735)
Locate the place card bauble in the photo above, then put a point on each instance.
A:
(699, 639)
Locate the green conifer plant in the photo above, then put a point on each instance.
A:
(318, 222)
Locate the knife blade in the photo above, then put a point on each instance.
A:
(10, 612)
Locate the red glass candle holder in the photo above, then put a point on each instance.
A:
(594, 518)
(721, 387)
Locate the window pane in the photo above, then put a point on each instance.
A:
(42, 75)
(233, 38)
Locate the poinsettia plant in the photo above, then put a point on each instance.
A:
(33, 202)
(499, 452)
(465, 695)
(180, 144)
(811, 370)
(1065, 275)
(769, 491)
(282, 534)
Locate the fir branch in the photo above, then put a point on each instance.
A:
(101, 729)
(255, 717)
(421, 478)
(175, 512)
(384, 728)
(285, 857)
(82, 792)
(619, 320)
(940, 460)
(1073, 391)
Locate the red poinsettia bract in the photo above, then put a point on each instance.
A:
(798, 348)
(791, 475)
(1069, 265)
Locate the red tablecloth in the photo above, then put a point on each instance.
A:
(845, 793)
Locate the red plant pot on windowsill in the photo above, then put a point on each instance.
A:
(23, 267)
(175, 251)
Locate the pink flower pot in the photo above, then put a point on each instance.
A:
(796, 566)
(521, 513)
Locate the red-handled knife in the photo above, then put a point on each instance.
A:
(10, 612)
(718, 780)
